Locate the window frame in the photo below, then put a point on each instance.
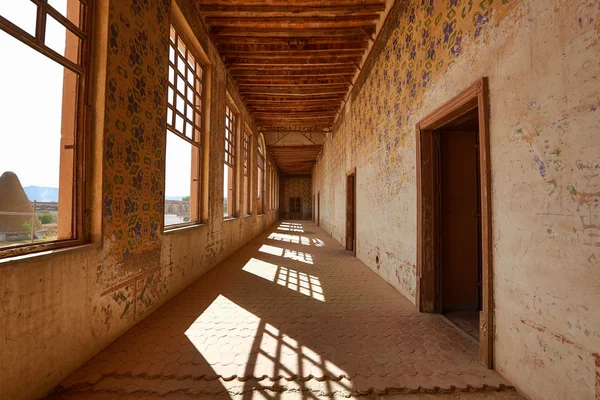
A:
(232, 112)
(261, 176)
(79, 168)
(200, 157)
(246, 149)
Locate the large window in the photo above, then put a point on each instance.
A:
(42, 124)
(260, 172)
(271, 204)
(229, 165)
(277, 192)
(184, 133)
(246, 173)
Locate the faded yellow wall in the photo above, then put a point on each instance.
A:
(58, 310)
(542, 58)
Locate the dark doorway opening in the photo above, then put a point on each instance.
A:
(295, 208)
(459, 223)
(319, 209)
(454, 252)
(351, 212)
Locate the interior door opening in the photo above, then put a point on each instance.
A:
(295, 208)
(319, 209)
(351, 212)
(454, 217)
(459, 222)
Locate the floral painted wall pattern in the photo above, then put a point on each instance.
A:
(427, 38)
(135, 121)
(134, 148)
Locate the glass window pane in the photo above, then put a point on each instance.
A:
(178, 180)
(68, 8)
(21, 13)
(62, 40)
(31, 153)
(225, 190)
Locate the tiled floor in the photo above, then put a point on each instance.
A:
(468, 321)
(290, 314)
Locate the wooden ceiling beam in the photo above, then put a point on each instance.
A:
(309, 54)
(260, 85)
(287, 41)
(292, 119)
(291, 32)
(217, 10)
(295, 80)
(270, 126)
(295, 91)
(255, 71)
(288, 61)
(294, 22)
(274, 98)
(291, 47)
(293, 111)
(298, 3)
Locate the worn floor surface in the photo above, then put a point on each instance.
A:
(468, 321)
(290, 315)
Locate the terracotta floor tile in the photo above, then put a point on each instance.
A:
(282, 314)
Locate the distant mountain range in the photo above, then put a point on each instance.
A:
(47, 194)
(41, 193)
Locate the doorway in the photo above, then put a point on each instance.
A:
(295, 208)
(457, 180)
(454, 216)
(319, 209)
(351, 212)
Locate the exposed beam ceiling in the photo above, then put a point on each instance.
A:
(294, 62)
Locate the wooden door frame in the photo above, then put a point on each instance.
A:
(474, 96)
(352, 173)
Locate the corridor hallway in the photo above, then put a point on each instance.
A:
(291, 313)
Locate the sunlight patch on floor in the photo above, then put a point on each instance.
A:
(318, 242)
(222, 314)
(291, 227)
(276, 251)
(288, 238)
(298, 256)
(261, 268)
(308, 285)
(262, 349)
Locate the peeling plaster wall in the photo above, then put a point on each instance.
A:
(58, 310)
(543, 62)
(298, 186)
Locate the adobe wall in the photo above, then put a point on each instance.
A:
(58, 310)
(542, 59)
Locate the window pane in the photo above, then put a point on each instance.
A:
(62, 40)
(72, 13)
(32, 165)
(21, 13)
(225, 191)
(178, 180)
